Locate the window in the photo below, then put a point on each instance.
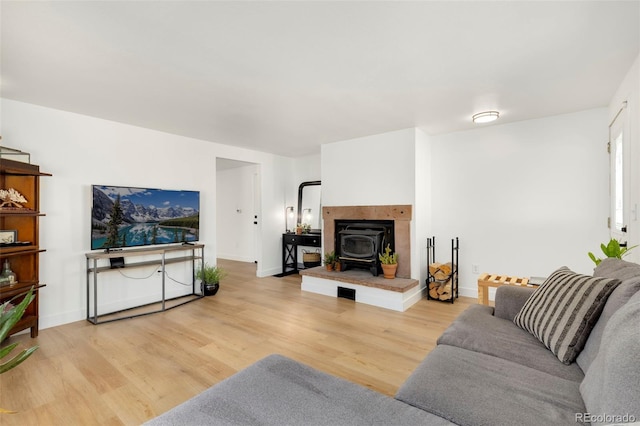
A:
(618, 148)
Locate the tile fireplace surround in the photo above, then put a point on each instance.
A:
(400, 214)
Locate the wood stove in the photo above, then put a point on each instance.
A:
(359, 243)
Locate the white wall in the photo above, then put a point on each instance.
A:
(629, 91)
(236, 233)
(422, 210)
(80, 151)
(379, 169)
(524, 198)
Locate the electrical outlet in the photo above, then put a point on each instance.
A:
(475, 269)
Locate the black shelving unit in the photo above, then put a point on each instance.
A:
(431, 257)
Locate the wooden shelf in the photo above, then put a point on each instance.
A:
(19, 288)
(20, 250)
(142, 251)
(18, 168)
(24, 259)
(167, 261)
(20, 212)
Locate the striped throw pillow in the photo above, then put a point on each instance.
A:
(564, 309)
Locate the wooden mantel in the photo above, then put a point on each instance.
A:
(400, 214)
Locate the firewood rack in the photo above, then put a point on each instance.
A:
(453, 276)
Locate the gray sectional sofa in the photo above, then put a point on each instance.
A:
(485, 370)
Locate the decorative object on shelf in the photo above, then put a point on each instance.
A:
(8, 277)
(310, 258)
(210, 277)
(303, 228)
(10, 198)
(9, 316)
(14, 154)
(612, 249)
(330, 260)
(8, 236)
(388, 262)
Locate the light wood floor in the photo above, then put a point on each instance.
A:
(127, 372)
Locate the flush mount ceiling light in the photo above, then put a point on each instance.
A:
(485, 117)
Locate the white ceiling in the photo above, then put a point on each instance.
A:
(285, 77)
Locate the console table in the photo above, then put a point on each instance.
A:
(290, 244)
(157, 256)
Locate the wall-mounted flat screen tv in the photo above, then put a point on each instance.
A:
(127, 216)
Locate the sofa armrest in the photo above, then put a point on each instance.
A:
(509, 301)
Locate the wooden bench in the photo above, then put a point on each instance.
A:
(491, 280)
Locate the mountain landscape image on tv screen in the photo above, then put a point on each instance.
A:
(128, 217)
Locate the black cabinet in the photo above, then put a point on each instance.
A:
(290, 244)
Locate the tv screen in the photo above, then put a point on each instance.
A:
(127, 216)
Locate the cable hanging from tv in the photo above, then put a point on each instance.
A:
(155, 269)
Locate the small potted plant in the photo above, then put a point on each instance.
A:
(612, 249)
(389, 263)
(210, 277)
(329, 260)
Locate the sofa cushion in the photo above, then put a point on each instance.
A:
(612, 384)
(612, 267)
(617, 299)
(564, 309)
(509, 300)
(471, 388)
(280, 391)
(477, 330)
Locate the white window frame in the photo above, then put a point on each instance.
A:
(619, 157)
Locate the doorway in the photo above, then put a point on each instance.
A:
(237, 210)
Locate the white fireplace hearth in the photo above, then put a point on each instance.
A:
(397, 294)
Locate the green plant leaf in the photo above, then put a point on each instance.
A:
(387, 258)
(9, 318)
(625, 250)
(210, 274)
(613, 248)
(17, 360)
(7, 349)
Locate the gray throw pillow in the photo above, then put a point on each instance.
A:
(564, 309)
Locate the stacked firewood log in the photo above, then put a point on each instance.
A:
(441, 288)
